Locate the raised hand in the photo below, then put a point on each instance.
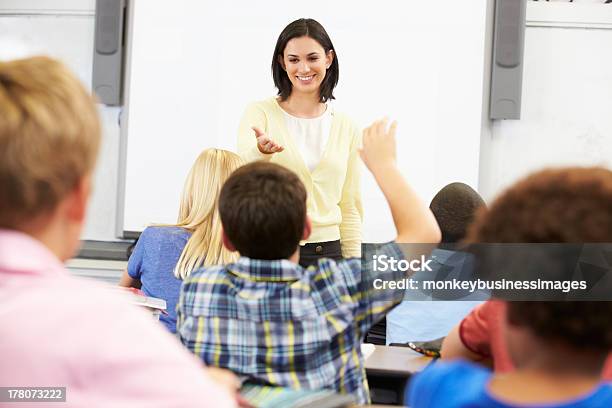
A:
(265, 144)
(378, 145)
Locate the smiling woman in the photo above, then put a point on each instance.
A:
(300, 130)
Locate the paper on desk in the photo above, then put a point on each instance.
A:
(367, 349)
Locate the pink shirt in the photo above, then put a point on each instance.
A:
(58, 330)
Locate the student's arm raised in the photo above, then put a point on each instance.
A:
(413, 220)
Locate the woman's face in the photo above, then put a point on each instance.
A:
(306, 63)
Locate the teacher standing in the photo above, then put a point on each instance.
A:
(300, 130)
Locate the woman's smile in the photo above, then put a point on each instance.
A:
(305, 79)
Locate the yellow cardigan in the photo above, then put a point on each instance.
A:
(334, 197)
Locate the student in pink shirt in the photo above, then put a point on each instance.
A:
(59, 331)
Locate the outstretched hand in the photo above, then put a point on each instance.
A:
(265, 144)
(379, 145)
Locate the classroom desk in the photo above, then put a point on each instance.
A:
(394, 361)
(378, 406)
(108, 271)
(388, 370)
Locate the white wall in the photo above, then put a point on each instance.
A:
(566, 116)
(567, 93)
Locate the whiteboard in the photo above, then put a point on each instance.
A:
(194, 66)
(64, 29)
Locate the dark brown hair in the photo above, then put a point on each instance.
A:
(570, 205)
(304, 27)
(263, 210)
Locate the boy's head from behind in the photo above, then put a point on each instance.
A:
(263, 211)
(49, 138)
(454, 207)
(571, 205)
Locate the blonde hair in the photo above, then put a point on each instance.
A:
(199, 211)
(49, 137)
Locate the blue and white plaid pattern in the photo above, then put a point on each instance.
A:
(278, 323)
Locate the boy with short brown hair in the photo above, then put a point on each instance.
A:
(267, 318)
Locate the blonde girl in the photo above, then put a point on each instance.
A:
(166, 254)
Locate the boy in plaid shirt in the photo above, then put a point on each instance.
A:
(265, 316)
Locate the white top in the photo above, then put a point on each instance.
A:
(310, 135)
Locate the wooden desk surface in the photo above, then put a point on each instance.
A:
(399, 361)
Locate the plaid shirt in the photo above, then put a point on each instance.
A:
(278, 323)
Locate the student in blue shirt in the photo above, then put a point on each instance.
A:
(166, 254)
(420, 317)
(558, 348)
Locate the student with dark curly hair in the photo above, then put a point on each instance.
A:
(544, 353)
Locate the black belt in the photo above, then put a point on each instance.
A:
(319, 248)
